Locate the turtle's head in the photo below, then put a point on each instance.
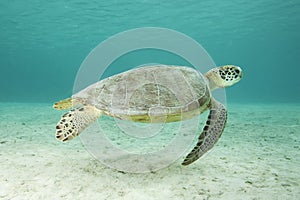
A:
(224, 76)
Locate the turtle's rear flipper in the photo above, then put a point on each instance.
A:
(63, 104)
(212, 131)
(75, 121)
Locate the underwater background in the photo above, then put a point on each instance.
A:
(43, 43)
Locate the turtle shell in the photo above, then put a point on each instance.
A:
(150, 94)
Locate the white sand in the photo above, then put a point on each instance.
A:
(258, 157)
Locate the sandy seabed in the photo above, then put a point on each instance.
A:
(257, 157)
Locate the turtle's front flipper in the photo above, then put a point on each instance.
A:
(75, 121)
(211, 132)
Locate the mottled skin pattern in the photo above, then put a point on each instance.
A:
(67, 129)
(212, 131)
(153, 94)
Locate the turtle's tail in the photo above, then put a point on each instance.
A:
(63, 104)
(75, 121)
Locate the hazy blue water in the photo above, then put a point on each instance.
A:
(43, 43)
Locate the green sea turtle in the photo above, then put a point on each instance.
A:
(152, 94)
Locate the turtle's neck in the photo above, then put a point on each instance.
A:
(211, 84)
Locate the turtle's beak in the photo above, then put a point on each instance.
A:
(241, 73)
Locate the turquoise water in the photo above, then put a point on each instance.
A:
(43, 43)
(42, 46)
